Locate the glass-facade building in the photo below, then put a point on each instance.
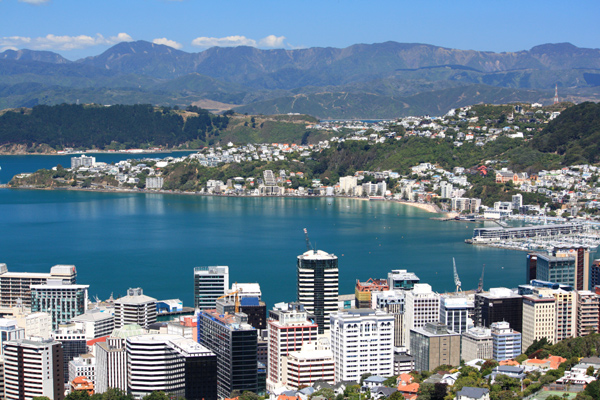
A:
(234, 342)
(210, 283)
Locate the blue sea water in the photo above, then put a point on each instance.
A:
(122, 240)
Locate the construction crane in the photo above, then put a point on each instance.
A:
(308, 247)
(480, 286)
(237, 299)
(456, 278)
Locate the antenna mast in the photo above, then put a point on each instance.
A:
(456, 278)
(556, 94)
(308, 247)
(480, 286)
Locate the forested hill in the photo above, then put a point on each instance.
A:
(574, 134)
(125, 126)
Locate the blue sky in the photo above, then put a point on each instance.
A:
(80, 28)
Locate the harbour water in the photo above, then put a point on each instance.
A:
(121, 240)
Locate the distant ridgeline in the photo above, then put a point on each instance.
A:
(118, 126)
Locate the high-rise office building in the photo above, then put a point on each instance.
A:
(210, 283)
(433, 345)
(9, 330)
(497, 305)
(95, 323)
(62, 301)
(402, 279)
(393, 302)
(455, 310)
(111, 359)
(314, 362)
(84, 365)
(288, 328)
(588, 309)
(73, 342)
(234, 342)
(507, 341)
(318, 285)
(595, 274)
(15, 287)
(362, 342)
(539, 319)
(476, 343)
(582, 264)
(422, 306)
(531, 267)
(135, 308)
(33, 368)
(172, 364)
(363, 290)
(556, 269)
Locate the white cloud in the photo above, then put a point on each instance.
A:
(34, 2)
(167, 42)
(233, 41)
(272, 41)
(229, 41)
(62, 43)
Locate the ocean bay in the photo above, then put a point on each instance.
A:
(121, 240)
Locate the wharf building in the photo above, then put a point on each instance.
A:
(455, 310)
(422, 306)
(318, 285)
(33, 368)
(172, 364)
(363, 291)
(210, 283)
(497, 305)
(314, 362)
(588, 310)
(553, 231)
(506, 341)
(135, 308)
(234, 342)
(289, 328)
(362, 342)
(62, 301)
(433, 345)
(15, 287)
(477, 343)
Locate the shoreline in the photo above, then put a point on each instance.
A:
(76, 153)
(431, 208)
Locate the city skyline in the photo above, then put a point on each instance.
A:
(80, 29)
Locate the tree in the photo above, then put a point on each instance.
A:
(78, 395)
(364, 376)
(249, 395)
(325, 392)
(156, 396)
(390, 382)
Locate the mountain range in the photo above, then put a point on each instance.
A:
(383, 80)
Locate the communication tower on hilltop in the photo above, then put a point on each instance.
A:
(556, 94)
